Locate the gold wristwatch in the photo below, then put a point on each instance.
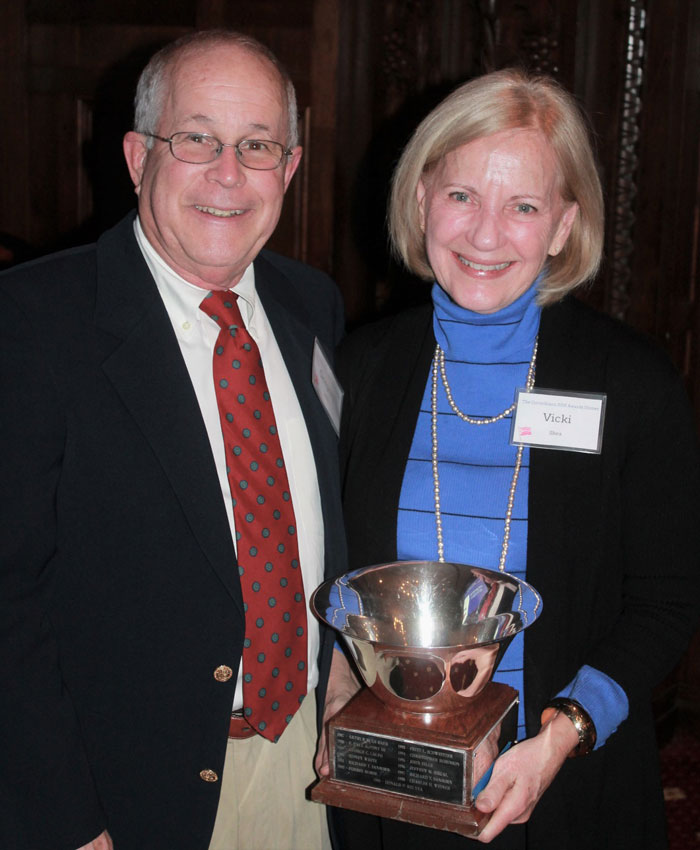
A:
(581, 719)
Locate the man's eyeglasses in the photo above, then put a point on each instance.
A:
(199, 148)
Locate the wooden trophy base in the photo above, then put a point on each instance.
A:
(420, 768)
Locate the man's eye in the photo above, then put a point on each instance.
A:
(256, 145)
(198, 139)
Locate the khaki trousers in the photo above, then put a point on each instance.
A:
(262, 804)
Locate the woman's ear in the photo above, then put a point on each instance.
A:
(563, 230)
(420, 197)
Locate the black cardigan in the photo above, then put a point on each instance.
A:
(613, 541)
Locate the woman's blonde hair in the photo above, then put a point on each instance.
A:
(506, 100)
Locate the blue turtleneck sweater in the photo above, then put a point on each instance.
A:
(487, 357)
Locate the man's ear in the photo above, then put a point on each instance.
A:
(135, 153)
(291, 166)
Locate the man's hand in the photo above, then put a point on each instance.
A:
(522, 775)
(342, 686)
(102, 842)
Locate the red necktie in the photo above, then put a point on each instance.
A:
(275, 646)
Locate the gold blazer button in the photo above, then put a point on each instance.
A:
(208, 776)
(223, 673)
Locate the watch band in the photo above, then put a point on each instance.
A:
(581, 719)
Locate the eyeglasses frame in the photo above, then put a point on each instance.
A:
(221, 145)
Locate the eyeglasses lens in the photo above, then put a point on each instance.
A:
(202, 148)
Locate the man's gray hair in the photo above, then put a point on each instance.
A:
(153, 83)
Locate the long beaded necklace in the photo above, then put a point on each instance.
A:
(439, 367)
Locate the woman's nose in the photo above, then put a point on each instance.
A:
(486, 230)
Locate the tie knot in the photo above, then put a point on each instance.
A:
(222, 307)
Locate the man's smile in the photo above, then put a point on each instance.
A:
(218, 212)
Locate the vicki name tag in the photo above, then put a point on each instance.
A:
(553, 419)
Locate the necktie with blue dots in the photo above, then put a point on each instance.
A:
(275, 645)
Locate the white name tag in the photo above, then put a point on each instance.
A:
(553, 419)
(328, 390)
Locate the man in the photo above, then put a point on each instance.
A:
(127, 561)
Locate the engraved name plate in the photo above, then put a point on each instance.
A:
(404, 767)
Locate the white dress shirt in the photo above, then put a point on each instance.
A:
(197, 334)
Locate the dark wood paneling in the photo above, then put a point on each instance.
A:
(68, 76)
(15, 154)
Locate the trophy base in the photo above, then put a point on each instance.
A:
(419, 768)
(465, 820)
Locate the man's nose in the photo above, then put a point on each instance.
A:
(226, 168)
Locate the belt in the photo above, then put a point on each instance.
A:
(239, 727)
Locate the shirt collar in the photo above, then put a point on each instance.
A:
(184, 297)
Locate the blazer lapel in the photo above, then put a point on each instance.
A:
(149, 374)
(291, 327)
(291, 331)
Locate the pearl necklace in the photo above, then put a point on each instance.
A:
(439, 366)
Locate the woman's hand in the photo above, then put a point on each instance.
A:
(522, 775)
(342, 686)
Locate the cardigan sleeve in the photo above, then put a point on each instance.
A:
(604, 700)
(613, 538)
(649, 500)
(659, 540)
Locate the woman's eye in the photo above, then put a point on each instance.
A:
(461, 197)
(525, 208)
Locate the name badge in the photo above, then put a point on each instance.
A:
(328, 390)
(553, 419)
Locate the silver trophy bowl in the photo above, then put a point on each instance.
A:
(426, 635)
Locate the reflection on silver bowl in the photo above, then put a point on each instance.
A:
(425, 635)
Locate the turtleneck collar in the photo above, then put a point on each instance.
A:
(507, 333)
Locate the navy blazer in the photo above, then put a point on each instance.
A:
(613, 545)
(118, 590)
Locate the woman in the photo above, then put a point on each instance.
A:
(496, 198)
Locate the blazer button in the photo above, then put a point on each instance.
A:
(208, 776)
(223, 673)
